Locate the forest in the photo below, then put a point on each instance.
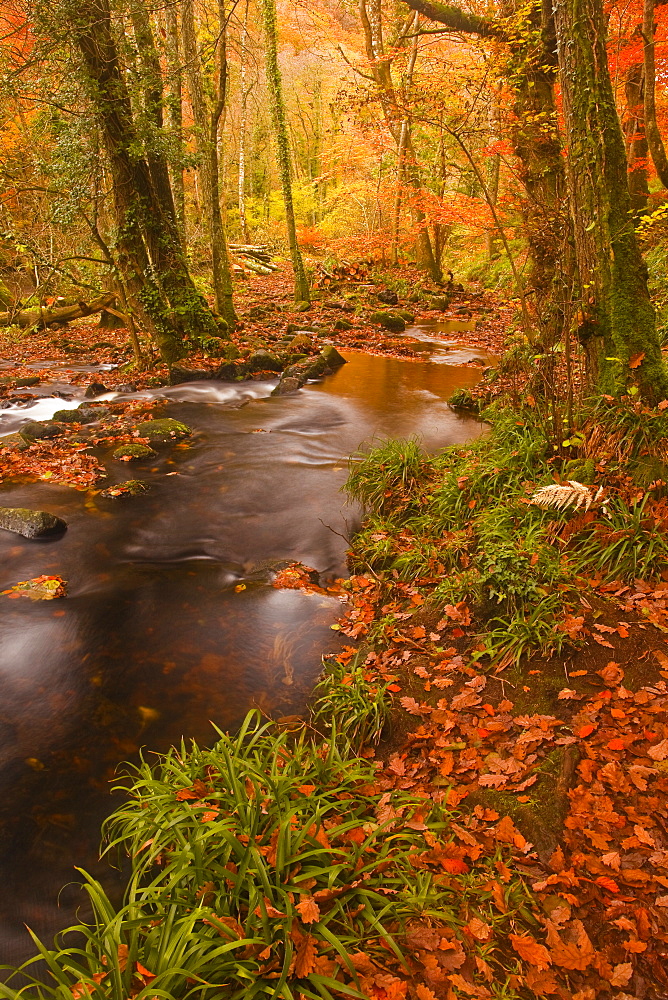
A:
(358, 687)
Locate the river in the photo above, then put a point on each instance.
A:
(154, 638)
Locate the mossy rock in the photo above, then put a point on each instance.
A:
(300, 343)
(263, 361)
(406, 315)
(81, 415)
(131, 488)
(441, 303)
(29, 380)
(287, 385)
(165, 429)
(129, 452)
(332, 357)
(343, 324)
(95, 389)
(31, 523)
(302, 307)
(389, 321)
(42, 430)
(17, 442)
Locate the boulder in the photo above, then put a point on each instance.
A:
(126, 387)
(178, 375)
(165, 429)
(287, 385)
(29, 380)
(439, 302)
(31, 523)
(95, 389)
(41, 430)
(389, 321)
(263, 361)
(301, 342)
(332, 357)
(388, 298)
(128, 452)
(81, 415)
(406, 315)
(339, 304)
(302, 307)
(343, 324)
(131, 488)
(16, 442)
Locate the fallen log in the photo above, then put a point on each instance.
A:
(40, 316)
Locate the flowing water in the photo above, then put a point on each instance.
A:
(153, 640)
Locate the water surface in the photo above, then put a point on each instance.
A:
(154, 639)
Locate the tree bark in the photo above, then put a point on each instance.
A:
(268, 7)
(617, 319)
(654, 139)
(637, 149)
(243, 127)
(60, 314)
(398, 123)
(207, 124)
(175, 115)
(148, 252)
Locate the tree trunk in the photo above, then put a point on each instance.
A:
(637, 149)
(153, 106)
(617, 321)
(654, 140)
(148, 252)
(40, 317)
(206, 124)
(302, 291)
(398, 123)
(243, 127)
(175, 114)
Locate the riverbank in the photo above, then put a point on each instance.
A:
(512, 828)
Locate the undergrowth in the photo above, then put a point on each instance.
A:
(268, 866)
(461, 522)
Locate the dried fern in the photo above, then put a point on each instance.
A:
(573, 494)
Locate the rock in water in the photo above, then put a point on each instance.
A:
(388, 320)
(31, 523)
(163, 429)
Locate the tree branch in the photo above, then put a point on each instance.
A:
(457, 19)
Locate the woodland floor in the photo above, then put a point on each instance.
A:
(559, 771)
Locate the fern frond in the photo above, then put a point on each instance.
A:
(573, 494)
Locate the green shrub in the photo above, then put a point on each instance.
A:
(258, 867)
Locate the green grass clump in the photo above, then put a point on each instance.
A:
(351, 701)
(259, 867)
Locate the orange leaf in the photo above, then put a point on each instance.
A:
(306, 955)
(530, 950)
(636, 360)
(607, 883)
(309, 911)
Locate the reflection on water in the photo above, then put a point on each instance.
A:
(153, 640)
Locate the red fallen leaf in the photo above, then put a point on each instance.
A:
(394, 688)
(615, 744)
(144, 972)
(662, 405)
(455, 866)
(607, 883)
(636, 360)
(458, 633)
(306, 789)
(186, 793)
(585, 731)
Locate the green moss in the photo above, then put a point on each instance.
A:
(165, 429)
(132, 451)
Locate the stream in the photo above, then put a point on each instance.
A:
(153, 640)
